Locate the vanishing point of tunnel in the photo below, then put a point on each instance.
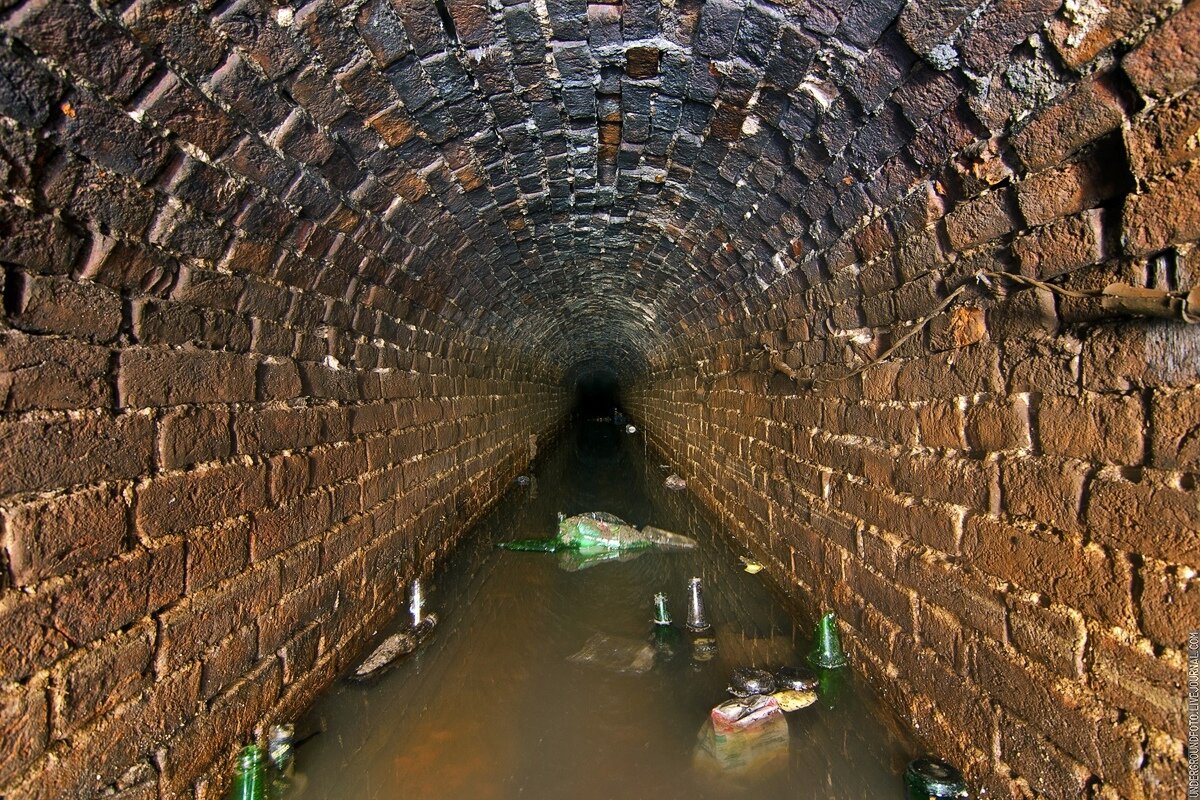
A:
(906, 290)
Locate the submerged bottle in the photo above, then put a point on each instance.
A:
(696, 619)
(249, 777)
(827, 650)
(928, 777)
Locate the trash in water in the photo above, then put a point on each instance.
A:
(744, 754)
(799, 679)
(751, 566)
(696, 620)
(280, 747)
(402, 643)
(665, 635)
(827, 650)
(575, 560)
(748, 681)
(704, 648)
(250, 775)
(744, 713)
(793, 700)
(675, 482)
(615, 654)
(598, 531)
(392, 648)
(664, 538)
(630, 429)
(522, 480)
(928, 777)
(661, 615)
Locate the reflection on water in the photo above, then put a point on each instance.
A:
(500, 703)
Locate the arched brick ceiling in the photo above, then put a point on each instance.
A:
(583, 179)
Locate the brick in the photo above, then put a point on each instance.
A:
(59, 305)
(1151, 516)
(40, 373)
(993, 426)
(176, 503)
(1169, 603)
(1047, 490)
(55, 536)
(1058, 565)
(216, 553)
(194, 627)
(101, 677)
(193, 436)
(1133, 678)
(42, 454)
(1062, 246)
(981, 220)
(1092, 427)
(1051, 635)
(103, 598)
(23, 718)
(1088, 111)
(150, 377)
(1168, 60)
(1080, 39)
(76, 37)
(1167, 213)
(1175, 441)
(1164, 136)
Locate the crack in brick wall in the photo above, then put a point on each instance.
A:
(287, 288)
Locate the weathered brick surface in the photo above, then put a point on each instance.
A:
(280, 295)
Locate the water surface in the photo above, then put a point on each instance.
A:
(492, 706)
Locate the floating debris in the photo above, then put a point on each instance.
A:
(675, 483)
(793, 700)
(280, 746)
(929, 777)
(751, 566)
(522, 480)
(827, 650)
(696, 620)
(402, 643)
(597, 531)
(744, 713)
(704, 648)
(615, 654)
(743, 755)
(799, 679)
(748, 681)
(630, 429)
(392, 648)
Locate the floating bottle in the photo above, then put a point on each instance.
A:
(249, 777)
(661, 615)
(696, 620)
(928, 777)
(827, 650)
(280, 748)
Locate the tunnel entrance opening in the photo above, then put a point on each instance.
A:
(597, 394)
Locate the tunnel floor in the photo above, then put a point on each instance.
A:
(492, 707)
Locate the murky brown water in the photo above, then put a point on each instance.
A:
(491, 707)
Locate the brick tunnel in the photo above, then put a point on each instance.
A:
(292, 292)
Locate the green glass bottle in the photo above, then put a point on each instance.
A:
(827, 650)
(249, 778)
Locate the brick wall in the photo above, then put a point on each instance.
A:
(235, 418)
(266, 264)
(1005, 513)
